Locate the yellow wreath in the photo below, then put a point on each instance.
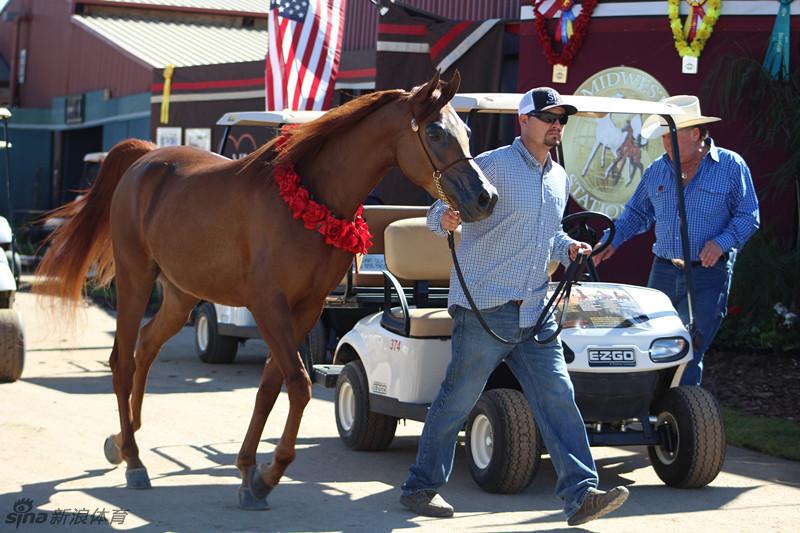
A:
(703, 31)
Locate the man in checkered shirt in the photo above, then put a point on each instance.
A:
(722, 213)
(504, 259)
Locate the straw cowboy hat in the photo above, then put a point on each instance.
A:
(655, 126)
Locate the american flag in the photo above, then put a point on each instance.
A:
(305, 42)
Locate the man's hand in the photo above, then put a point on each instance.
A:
(605, 254)
(578, 248)
(710, 254)
(450, 220)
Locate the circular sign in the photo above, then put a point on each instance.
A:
(606, 157)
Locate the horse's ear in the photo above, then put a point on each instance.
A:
(422, 95)
(450, 88)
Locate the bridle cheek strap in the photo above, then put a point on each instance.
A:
(437, 173)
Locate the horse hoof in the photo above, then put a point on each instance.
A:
(248, 502)
(137, 478)
(112, 451)
(253, 493)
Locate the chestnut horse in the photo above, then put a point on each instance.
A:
(213, 229)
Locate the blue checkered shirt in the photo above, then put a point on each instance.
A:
(505, 256)
(721, 205)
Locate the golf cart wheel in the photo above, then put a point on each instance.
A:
(504, 447)
(12, 346)
(359, 428)
(695, 448)
(211, 346)
(314, 347)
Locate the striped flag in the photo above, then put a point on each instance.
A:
(305, 43)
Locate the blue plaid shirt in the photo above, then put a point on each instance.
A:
(505, 256)
(721, 205)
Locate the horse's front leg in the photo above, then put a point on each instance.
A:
(268, 391)
(282, 332)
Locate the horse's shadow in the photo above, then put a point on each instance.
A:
(330, 487)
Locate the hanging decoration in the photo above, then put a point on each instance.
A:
(571, 31)
(691, 37)
(350, 235)
(776, 61)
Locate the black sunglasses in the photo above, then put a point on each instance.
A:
(550, 118)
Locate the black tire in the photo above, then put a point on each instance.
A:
(696, 448)
(314, 347)
(12, 346)
(211, 346)
(503, 444)
(359, 428)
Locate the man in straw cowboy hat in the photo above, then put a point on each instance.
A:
(722, 213)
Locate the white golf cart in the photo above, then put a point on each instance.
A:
(12, 338)
(219, 329)
(625, 346)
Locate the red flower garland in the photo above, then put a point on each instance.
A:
(352, 236)
(579, 31)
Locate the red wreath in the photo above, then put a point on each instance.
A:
(352, 236)
(579, 31)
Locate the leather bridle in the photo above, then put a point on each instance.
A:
(437, 173)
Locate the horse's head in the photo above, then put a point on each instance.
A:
(434, 151)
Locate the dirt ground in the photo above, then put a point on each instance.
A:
(755, 383)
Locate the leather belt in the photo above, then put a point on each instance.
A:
(679, 263)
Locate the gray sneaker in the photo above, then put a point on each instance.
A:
(598, 503)
(427, 503)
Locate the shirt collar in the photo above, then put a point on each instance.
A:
(548, 163)
(713, 151)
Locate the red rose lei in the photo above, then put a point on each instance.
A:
(352, 236)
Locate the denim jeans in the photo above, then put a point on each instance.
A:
(542, 372)
(711, 288)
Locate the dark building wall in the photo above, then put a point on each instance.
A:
(646, 43)
(63, 58)
(361, 23)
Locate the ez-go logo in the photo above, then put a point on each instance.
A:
(612, 357)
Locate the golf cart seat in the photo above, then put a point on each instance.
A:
(378, 217)
(415, 253)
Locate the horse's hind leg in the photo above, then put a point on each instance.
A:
(169, 319)
(281, 331)
(134, 282)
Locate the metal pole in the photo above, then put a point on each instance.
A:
(224, 141)
(683, 224)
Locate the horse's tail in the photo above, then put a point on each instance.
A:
(84, 238)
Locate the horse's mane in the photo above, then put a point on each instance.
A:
(305, 140)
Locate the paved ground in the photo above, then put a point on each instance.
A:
(53, 423)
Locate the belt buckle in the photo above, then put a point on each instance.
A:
(678, 263)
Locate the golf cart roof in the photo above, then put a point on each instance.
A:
(94, 157)
(4, 113)
(267, 118)
(588, 106)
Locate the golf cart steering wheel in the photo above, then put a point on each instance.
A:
(575, 225)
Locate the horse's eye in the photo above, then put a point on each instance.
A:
(435, 132)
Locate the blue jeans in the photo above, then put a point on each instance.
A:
(542, 372)
(711, 288)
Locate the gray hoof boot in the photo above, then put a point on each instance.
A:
(112, 451)
(253, 492)
(137, 478)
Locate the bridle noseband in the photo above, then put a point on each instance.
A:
(437, 173)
